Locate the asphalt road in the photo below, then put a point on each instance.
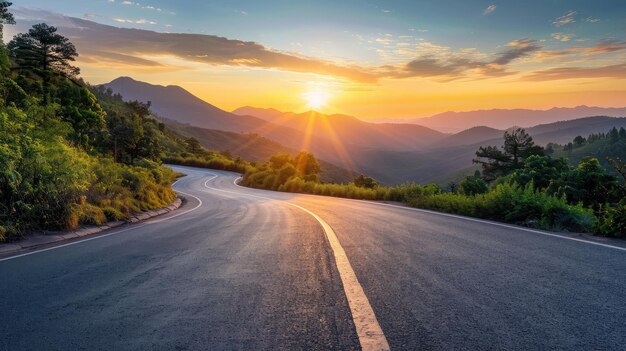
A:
(239, 268)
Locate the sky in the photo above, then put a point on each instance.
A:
(372, 59)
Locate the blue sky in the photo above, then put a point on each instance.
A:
(377, 59)
(331, 28)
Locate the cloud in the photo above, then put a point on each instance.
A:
(489, 10)
(93, 39)
(562, 37)
(517, 49)
(566, 19)
(592, 20)
(139, 21)
(612, 71)
(457, 66)
(604, 46)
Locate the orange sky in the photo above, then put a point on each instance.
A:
(230, 88)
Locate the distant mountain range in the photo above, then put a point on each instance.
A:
(350, 130)
(311, 130)
(454, 122)
(391, 152)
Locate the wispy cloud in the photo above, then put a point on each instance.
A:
(517, 49)
(566, 19)
(489, 10)
(140, 5)
(458, 66)
(98, 42)
(139, 21)
(604, 46)
(611, 71)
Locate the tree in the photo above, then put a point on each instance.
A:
(473, 185)
(43, 50)
(193, 146)
(589, 183)
(579, 141)
(518, 146)
(307, 164)
(542, 171)
(494, 162)
(365, 182)
(278, 161)
(6, 17)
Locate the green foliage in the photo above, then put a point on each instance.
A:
(506, 201)
(473, 185)
(6, 17)
(42, 50)
(513, 204)
(612, 221)
(365, 182)
(542, 171)
(56, 171)
(518, 146)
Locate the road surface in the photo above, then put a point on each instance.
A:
(239, 268)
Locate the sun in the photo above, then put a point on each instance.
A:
(316, 99)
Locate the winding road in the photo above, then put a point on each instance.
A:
(246, 269)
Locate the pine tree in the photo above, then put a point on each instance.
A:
(6, 17)
(44, 51)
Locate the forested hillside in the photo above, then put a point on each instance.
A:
(70, 157)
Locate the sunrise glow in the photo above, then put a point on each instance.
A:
(316, 100)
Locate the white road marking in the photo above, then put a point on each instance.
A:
(529, 230)
(369, 332)
(502, 225)
(131, 227)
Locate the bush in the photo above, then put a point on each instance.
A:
(612, 220)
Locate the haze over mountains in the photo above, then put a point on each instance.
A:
(454, 122)
(391, 152)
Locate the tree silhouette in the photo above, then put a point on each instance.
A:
(6, 17)
(43, 50)
(518, 146)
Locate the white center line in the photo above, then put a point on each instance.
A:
(369, 332)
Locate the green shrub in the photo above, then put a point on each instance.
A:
(612, 220)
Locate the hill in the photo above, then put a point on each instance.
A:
(251, 147)
(350, 130)
(470, 136)
(179, 104)
(311, 130)
(453, 122)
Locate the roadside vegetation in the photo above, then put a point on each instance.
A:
(68, 156)
(519, 184)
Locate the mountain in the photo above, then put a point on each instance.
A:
(268, 114)
(564, 131)
(470, 136)
(452, 158)
(453, 122)
(349, 130)
(313, 131)
(391, 152)
(179, 104)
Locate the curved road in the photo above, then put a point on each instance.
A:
(239, 268)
